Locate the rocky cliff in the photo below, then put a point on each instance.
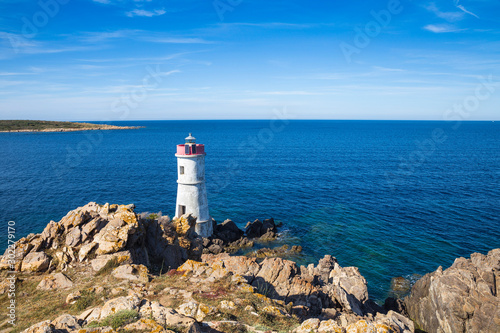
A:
(463, 298)
(103, 268)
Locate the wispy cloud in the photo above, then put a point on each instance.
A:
(145, 13)
(448, 16)
(176, 40)
(140, 35)
(442, 28)
(462, 8)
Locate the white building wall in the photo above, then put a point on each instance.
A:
(192, 192)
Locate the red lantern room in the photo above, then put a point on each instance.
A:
(190, 147)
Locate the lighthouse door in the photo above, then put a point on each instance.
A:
(182, 210)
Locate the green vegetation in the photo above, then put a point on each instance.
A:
(43, 125)
(119, 319)
(86, 300)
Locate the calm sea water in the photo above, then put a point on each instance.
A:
(375, 194)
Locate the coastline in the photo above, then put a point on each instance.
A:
(104, 128)
(102, 262)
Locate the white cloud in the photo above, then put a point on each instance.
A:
(442, 28)
(176, 40)
(448, 16)
(145, 13)
(462, 8)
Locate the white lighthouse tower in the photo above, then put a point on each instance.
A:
(191, 189)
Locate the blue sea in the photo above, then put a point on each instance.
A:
(394, 198)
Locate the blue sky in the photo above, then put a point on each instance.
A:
(231, 59)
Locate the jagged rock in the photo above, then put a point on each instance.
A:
(85, 250)
(146, 325)
(395, 321)
(42, 327)
(241, 243)
(66, 323)
(122, 257)
(74, 237)
(196, 310)
(37, 242)
(169, 316)
(315, 288)
(113, 237)
(310, 325)
(137, 273)
(51, 233)
(105, 329)
(90, 315)
(276, 252)
(463, 298)
(253, 229)
(329, 326)
(228, 231)
(164, 244)
(268, 236)
(215, 249)
(185, 225)
(64, 257)
(268, 226)
(118, 304)
(13, 256)
(246, 267)
(35, 262)
(55, 281)
(395, 304)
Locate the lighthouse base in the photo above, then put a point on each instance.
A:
(204, 228)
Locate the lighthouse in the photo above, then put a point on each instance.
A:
(191, 189)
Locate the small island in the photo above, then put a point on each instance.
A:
(54, 126)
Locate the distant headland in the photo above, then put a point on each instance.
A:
(54, 126)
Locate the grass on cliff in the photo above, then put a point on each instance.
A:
(119, 319)
(110, 265)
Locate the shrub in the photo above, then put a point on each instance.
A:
(119, 319)
(85, 301)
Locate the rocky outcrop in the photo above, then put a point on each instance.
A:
(307, 291)
(266, 230)
(229, 238)
(154, 316)
(282, 252)
(313, 288)
(35, 262)
(99, 233)
(463, 298)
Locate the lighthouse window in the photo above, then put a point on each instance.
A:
(194, 149)
(181, 170)
(186, 148)
(182, 210)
